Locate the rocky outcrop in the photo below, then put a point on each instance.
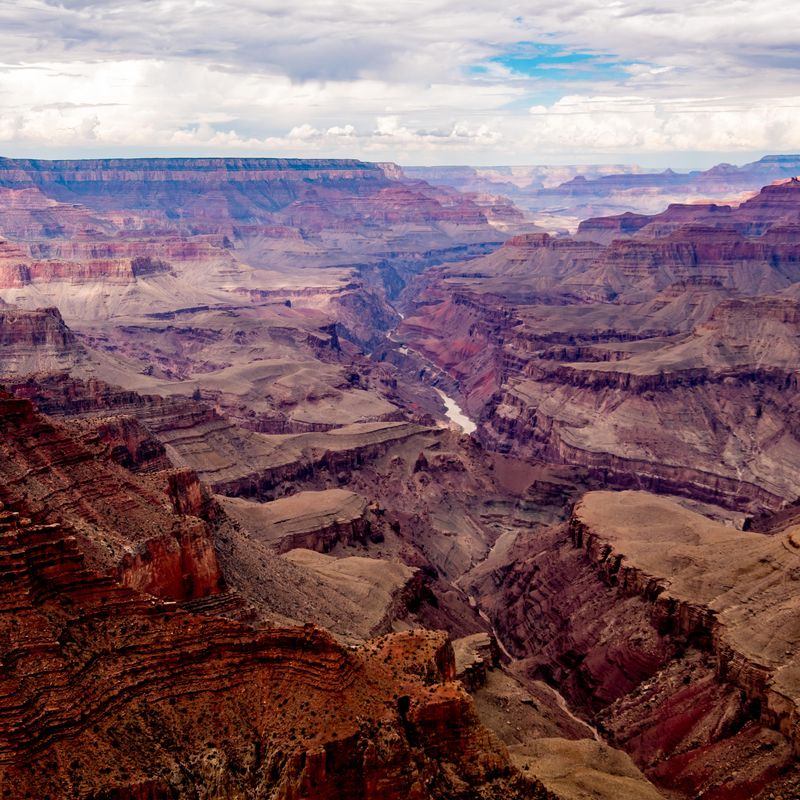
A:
(187, 494)
(722, 613)
(533, 423)
(137, 699)
(61, 394)
(751, 265)
(36, 341)
(126, 441)
(475, 655)
(126, 525)
(90, 257)
(300, 457)
(310, 520)
(369, 596)
(146, 255)
(725, 615)
(115, 272)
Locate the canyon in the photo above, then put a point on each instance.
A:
(561, 197)
(335, 479)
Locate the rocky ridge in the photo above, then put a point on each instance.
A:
(121, 664)
(583, 360)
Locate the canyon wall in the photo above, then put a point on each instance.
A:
(137, 699)
(127, 526)
(633, 612)
(627, 358)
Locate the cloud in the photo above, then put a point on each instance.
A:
(638, 124)
(424, 80)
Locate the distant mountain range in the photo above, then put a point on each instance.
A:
(558, 197)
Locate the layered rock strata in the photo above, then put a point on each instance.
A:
(309, 520)
(36, 342)
(109, 693)
(628, 359)
(708, 582)
(672, 631)
(475, 656)
(707, 415)
(126, 525)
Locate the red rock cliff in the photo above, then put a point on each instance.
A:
(107, 693)
(126, 525)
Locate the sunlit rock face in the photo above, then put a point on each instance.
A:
(660, 359)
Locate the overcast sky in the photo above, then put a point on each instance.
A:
(412, 81)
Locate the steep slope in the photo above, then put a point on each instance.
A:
(36, 341)
(134, 528)
(107, 693)
(245, 186)
(673, 631)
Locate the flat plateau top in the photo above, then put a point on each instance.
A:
(750, 580)
(299, 513)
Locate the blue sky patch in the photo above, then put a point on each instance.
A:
(553, 62)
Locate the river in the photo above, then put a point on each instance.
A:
(453, 410)
(459, 419)
(454, 413)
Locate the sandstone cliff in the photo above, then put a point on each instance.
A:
(127, 526)
(108, 693)
(36, 341)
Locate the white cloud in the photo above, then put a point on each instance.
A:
(396, 80)
(635, 124)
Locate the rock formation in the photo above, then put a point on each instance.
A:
(234, 433)
(591, 355)
(109, 693)
(126, 526)
(36, 341)
(475, 656)
(654, 637)
(309, 520)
